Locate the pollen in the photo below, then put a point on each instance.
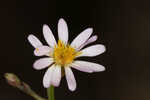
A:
(64, 54)
(37, 49)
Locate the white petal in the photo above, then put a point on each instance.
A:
(48, 35)
(42, 63)
(56, 76)
(82, 38)
(70, 79)
(90, 40)
(43, 50)
(63, 31)
(93, 50)
(47, 77)
(34, 41)
(87, 66)
(52, 76)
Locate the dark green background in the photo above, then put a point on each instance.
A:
(122, 25)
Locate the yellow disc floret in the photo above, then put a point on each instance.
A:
(64, 54)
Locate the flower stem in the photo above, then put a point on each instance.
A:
(14, 81)
(50, 93)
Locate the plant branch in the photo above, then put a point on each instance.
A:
(14, 81)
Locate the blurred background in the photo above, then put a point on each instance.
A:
(122, 25)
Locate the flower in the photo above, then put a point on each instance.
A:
(61, 56)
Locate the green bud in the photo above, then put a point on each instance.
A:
(12, 79)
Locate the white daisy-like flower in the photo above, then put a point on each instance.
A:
(60, 56)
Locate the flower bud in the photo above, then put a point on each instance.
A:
(12, 79)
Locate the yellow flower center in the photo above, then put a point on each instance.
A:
(64, 54)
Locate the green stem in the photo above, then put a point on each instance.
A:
(26, 88)
(50, 93)
(37, 97)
